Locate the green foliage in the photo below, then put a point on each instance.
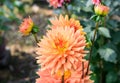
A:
(108, 54)
(35, 29)
(104, 31)
(111, 77)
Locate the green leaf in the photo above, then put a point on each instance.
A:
(108, 54)
(116, 37)
(9, 4)
(35, 29)
(104, 31)
(87, 29)
(98, 18)
(111, 77)
(93, 17)
(91, 35)
(4, 27)
(48, 21)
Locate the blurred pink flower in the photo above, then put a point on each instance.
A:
(60, 49)
(26, 26)
(56, 3)
(71, 76)
(96, 2)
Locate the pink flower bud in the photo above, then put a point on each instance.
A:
(101, 10)
(96, 2)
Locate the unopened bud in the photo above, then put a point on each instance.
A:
(26, 26)
(101, 10)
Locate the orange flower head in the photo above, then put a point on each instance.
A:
(60, 49)
(70, 76)
(26, 26)
(65, 21)
(101, 10)
(78, 75)
(45, 77)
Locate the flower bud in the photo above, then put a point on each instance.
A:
(89, 44)
(26, 26)
(101, 10)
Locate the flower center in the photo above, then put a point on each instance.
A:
(61, 45)
(67, 74)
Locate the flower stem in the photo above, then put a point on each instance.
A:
(66, 10)
(95, 32)
(104, 21)
(62, 79)
(36, 39)
(82, 70)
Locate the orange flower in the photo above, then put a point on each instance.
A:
(45, 77)
(65, 21)
(77, 74)
(73, 76)
(56, 3)
(101, 10)
(26, 26)
(60, 49)
(58, 74)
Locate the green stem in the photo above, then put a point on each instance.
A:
(95, 32)
(104, 21)
(101, 72)
(36, 39)
(66, 10)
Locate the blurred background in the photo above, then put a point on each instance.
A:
(17, 54)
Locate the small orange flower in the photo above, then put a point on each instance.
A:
(66, 22)
(101, 10)
(60, 49)
(26, 26)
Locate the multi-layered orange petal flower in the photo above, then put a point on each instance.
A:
(65, 21)
(26, 26)
(60, 49)
(73, 76)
